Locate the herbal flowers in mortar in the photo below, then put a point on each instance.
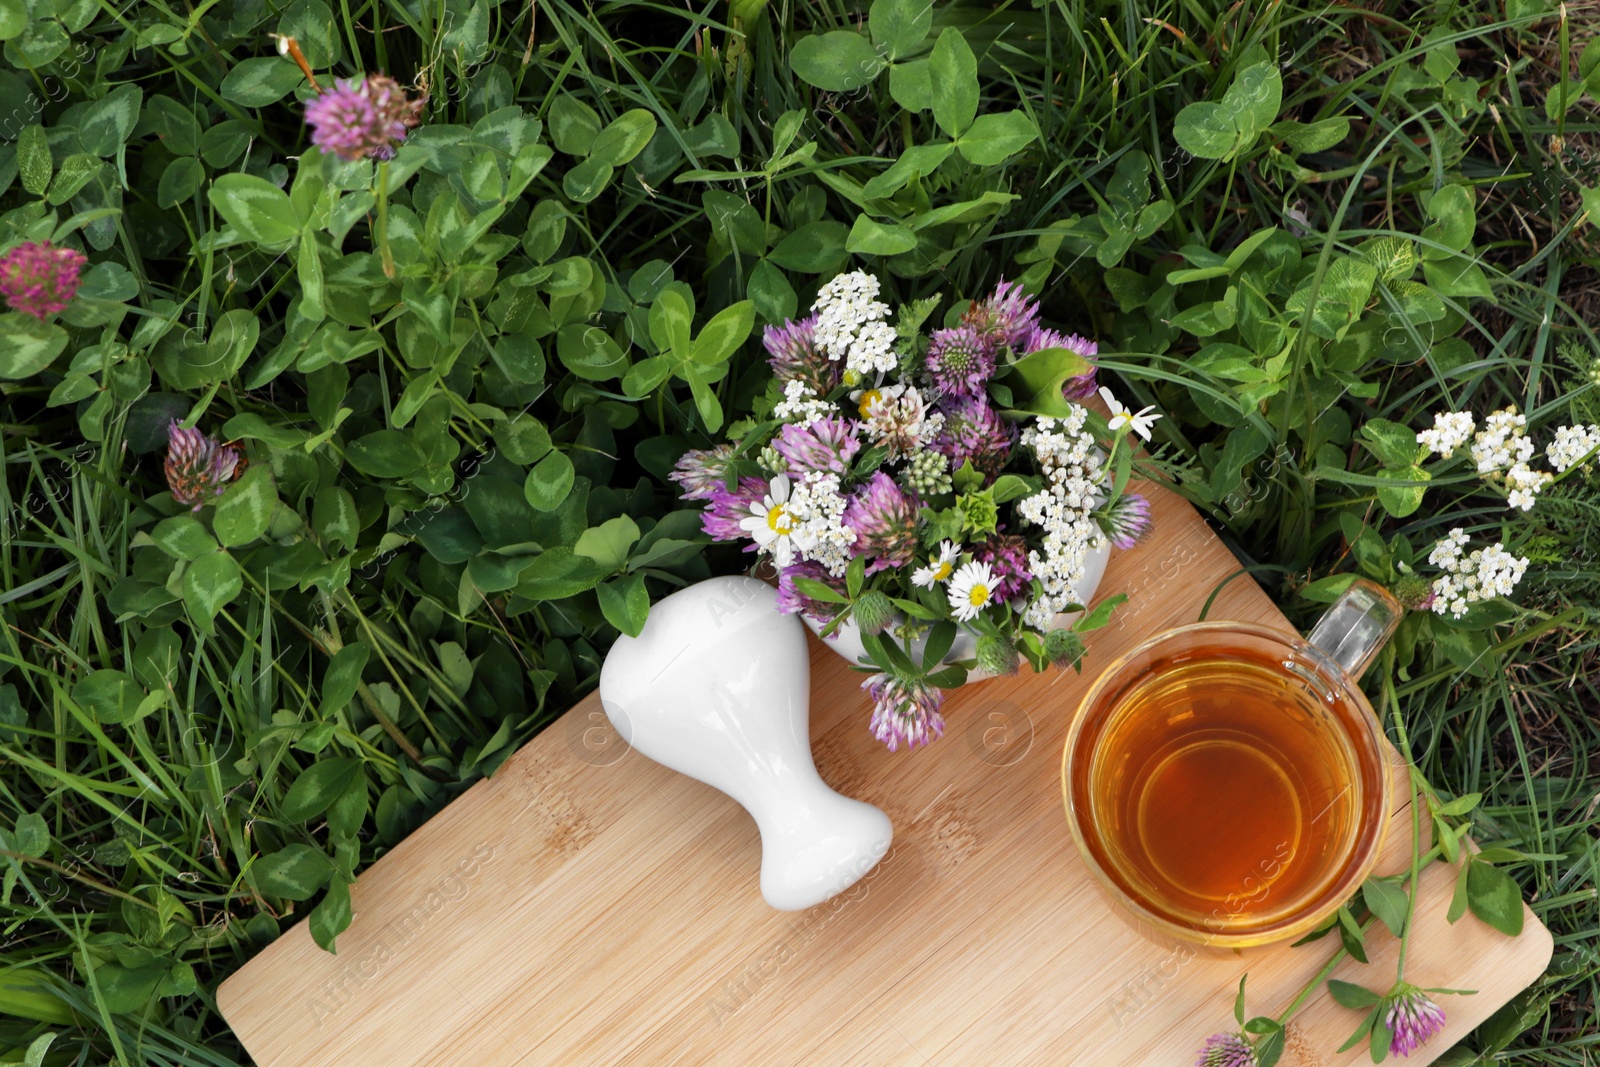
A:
(914, 487)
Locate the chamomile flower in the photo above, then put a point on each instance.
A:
(970, 591)
(770, 522)
(940, 566)
(1121, 416)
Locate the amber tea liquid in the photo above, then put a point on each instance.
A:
(1225, 789)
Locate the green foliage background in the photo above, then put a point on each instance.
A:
(1298, 230)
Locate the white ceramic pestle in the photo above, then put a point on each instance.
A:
(718, 687)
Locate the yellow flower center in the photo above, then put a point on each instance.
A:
(869, 398)
(778, 520)
(943, 572)
(979, 595)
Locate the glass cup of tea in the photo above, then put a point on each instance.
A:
(1227, 783)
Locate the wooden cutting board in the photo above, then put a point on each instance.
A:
(588, 906)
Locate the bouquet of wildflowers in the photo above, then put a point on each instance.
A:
(921, 487)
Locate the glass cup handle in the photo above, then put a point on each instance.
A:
(1354, 630)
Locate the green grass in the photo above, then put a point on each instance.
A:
(134, 891)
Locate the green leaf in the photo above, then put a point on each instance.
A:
(179, 181)
(246, 507)
(816, 590)
(34, 164)
(994, 138)
(774, 298)
(624, 138)
(584, 182)
(342, 678)
(331, 917)
(1351, 995)
(1403, 498)
(1461, 805)
(1494, 897)
(1238, 1000)
(334, 516)
(1036, 380)
(911, 85)
(1388, 902)
(13, 20)
(294, 872)
(549, 481)
(839, 61)
(183, 537)
(557, 573)
(899, 26)
(953, 78)
(1458, 899)
(1205, 130)
(625, 603)
(318, 786)
(869, 237)
(210, 583)
(1100, 615)
(28, 346)
(1255, 98)
(574, 125)
(259, 210)
(110, 696)
(106, 123)
(1327, 590)
(608, 543)
(645, 375)
(261, 81)
(75, 172)
(1394, 444)
(721, 337)
(1316, 136)
(385, 454)
(1350, 935)
(522, 439)
(814, 248)
(918, 161)
(1454, 216)
(590, 353)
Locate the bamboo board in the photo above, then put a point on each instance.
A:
(588, 906)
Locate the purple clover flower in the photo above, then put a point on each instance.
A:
(1127, 520)
(822, 445)
(725, 511)
(1412, 1019)
(973, 430)
(884, 518)
(199, 467)
(40, 279)
(792, 602)
(904, 712)
(362, 121)
(793, 355)
(701, 471)
(1227, 1050)
(1009, 315)
(960, 360)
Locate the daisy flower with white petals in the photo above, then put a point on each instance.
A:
(970, 590)
(940, 567)
(1121, 416)
(770, 522)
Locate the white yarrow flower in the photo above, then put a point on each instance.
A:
(1500, 444)
(970, 591)
(801, 405)
(1571, 445)
(1450, 431)
(1524, 484)
(940, 566)
(817, 508)
(851, 324)
(1122, 416)
(1481, 575)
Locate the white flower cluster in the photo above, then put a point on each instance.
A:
(1571, 444)
(816, 509)
(852, 326)
(1524, 484)
(800, 404)
(1500, 443)
(1450, 431)
(1483, 574)
(896, 417)
(1071, 468)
